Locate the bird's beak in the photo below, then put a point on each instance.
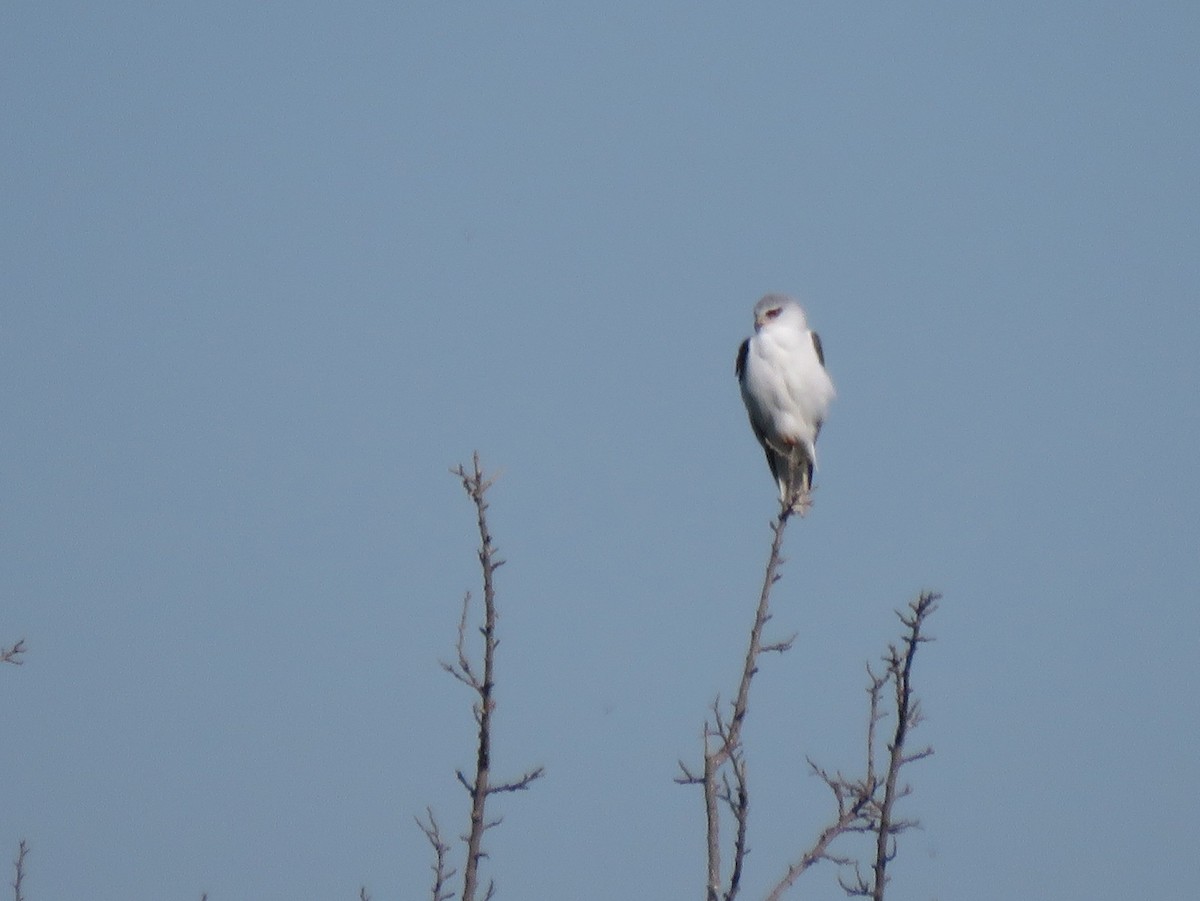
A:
(758, 323)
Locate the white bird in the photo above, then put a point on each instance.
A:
(787, 392)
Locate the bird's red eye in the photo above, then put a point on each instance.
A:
(771, 314)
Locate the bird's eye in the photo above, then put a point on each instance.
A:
(771, 314)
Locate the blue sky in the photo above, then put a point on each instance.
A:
(269, 272)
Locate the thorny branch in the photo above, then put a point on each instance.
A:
(880, 794)
(482, 684)
(908, 715)
(864, 805)
(853, 798)
(441, 875)
(860, 806)
(723, 740)
(19, 867)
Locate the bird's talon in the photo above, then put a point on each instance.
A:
(801, 503)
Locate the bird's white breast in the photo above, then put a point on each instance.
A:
(786, 384)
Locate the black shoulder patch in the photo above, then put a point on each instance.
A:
(817, 347)
(740, 366)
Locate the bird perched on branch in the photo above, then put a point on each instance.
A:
(787, 392)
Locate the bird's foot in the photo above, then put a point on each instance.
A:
(800, 502)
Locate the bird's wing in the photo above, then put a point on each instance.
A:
(758, 422)
(816, 339)
(817, 346)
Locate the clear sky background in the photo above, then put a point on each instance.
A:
(268, 270)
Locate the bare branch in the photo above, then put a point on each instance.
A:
(688, 777)
(441, 875)
(853, 803)
(462, 669)
(476, 487)
(860, 809)
(907, 714)
(712, 818)
(727, 749)
(874, 691)
(482, 683)
(762, 614)
(860, 888)
(13, 654)
(781, 646)
(740, 805)
(519, 784)
(819, 851)
(19, 867)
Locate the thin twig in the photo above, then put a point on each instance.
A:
(860, 807)
(740, 806)
(712, 817)
(853, 808)
(476, 488)
(723, 740)
(441, 875)
(907, 716)
(819, 851)
(13, 654)
(482, 683)
(19, 867)
(462, 669)
(761, 616)
(518, 785)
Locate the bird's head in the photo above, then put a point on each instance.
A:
(778, 308)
